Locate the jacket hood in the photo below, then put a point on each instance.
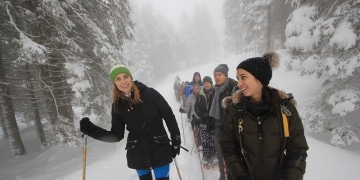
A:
(140, 85)
(235, 98)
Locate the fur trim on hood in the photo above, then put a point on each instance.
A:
(236, 96)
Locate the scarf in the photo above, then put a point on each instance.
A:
(215, 106)
(258, 109)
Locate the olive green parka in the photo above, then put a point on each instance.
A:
(272, 155)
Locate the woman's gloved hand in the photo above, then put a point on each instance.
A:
(175, 145)
(86, 126)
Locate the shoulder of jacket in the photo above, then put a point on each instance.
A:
(287, 97)
(233, 99)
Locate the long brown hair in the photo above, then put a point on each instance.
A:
(271, 97)
(135, 97)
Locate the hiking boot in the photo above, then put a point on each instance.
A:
(206, 165)
(214, 165)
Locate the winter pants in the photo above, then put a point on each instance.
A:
(208, 144)
(161, 173)
(219, 153)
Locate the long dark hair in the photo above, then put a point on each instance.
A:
(271, 97)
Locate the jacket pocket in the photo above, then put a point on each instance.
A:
(130, 145)
(162, 139)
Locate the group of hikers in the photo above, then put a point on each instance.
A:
(201, 100)
(249, 130)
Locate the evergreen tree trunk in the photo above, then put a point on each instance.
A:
(3, 128)
(60, 91)
(16, 145)
(35, 105)
(59, 87)
(49, 97)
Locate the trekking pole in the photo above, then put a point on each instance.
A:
(177, 169)
(184, 148)
(84, 156)
(196, 134)
(182, 124)
(192, 147)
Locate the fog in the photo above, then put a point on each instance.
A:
(171, 35)
(173, 9)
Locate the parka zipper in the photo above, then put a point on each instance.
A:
(156, 138)
(134, 142)
(260, 128)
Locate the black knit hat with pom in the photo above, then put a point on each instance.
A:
(261, 67)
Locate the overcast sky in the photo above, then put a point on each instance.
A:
(173, 9)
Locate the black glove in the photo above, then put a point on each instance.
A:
(210, 124)
(175, 151)
(86, 126)
(182, 110)
(194, 117)
(175, 145)
(195, 121)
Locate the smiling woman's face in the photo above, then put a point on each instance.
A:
(124, 83)
(249, 85)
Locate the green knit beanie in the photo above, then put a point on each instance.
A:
(118, 69)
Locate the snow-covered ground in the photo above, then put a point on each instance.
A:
(107, 161)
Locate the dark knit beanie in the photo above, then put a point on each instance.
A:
(261, 67)
(223, 68)
(207, 79)
(196, 73)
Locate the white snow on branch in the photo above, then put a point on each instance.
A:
(344, 36)
(310, 64)
(344, 101)
(29, 46)
(300, 31)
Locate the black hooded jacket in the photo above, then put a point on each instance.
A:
(148, 144)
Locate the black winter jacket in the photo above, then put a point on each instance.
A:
(203, 104)
(148, 144)
(272, 155)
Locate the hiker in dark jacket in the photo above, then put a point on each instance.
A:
(263, 123)
(196, 79)
(202, 107)
(141, 110)
(223, 87)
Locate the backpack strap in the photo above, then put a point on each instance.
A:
(285, 112)
(285, 124)
(245, 159)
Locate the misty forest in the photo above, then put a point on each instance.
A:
(55, 57)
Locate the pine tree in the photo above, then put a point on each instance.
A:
(59, 54)
(323, 39)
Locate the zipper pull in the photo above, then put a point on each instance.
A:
(260, 129)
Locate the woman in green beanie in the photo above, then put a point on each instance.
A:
(141, 110)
